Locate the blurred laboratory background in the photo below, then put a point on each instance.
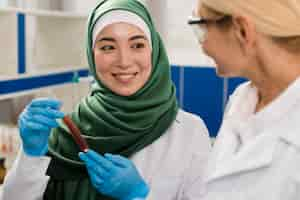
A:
(42, 55)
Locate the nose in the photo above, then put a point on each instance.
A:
(125, 58)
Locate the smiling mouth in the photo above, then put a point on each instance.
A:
(125, 77)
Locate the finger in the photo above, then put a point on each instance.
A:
(83, 157)
(100, 160)
(92, 166)
(117, 160)
(39, 119)
(97, 181)
(51, 123)
(90, 163)
(47, 112)
(34, 126)
(46, 102)
(98, 171)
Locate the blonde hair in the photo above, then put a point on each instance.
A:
(209, 13)
(290, 43)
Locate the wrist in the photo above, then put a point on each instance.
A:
(34, 152)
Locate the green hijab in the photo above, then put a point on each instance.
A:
(110, 122)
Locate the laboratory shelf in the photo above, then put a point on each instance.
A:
(45, 13)
(40, 49)
(12, 87)
(39, 40)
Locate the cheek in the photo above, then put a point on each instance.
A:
(145, 62)
(147, 72)
(148, 68)
(102, 63)
(208, 49)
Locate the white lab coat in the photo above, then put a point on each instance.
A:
(168, 165)
(256, 156)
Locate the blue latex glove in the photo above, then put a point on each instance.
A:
(114, 176)
(35, 123)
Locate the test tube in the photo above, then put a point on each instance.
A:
(76, 134)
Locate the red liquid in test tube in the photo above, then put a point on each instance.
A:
(76, 134)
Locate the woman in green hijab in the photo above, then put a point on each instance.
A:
(132, 111)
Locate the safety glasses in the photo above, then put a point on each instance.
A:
(199, 25)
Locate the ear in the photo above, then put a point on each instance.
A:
(244, 31)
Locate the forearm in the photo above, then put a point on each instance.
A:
(27, 176)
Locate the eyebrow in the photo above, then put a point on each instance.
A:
(138, 37)
(110, 39)
(106, 39)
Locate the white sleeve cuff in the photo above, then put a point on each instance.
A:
(28, 175)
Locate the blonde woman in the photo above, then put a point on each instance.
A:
(257, 151)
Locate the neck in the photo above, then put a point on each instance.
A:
(272, 77)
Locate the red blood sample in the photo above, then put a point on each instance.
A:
(76, 134)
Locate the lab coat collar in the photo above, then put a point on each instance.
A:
(245, 103)
(292, 125)
(283, 105)
(291, 134)
(292, 137)
(258, 153)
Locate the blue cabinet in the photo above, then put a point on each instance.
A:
(202, 92)
(203, 95)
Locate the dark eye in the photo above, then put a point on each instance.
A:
(138, 45)
(107, 48)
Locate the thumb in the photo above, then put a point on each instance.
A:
(83, 157)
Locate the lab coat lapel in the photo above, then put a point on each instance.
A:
(291, 132)
(280, 116)
(259, 152)
(256, 154)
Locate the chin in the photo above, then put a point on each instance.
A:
(125, 93)
(221, 72)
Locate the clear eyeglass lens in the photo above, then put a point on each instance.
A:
(200, 32)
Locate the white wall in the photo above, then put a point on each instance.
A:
(182, 45)
(157, 9)
(170, 17)
(5, 3)
(38, 4)
(82, 6)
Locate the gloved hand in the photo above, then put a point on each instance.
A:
(35, 123)
(114, 176)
